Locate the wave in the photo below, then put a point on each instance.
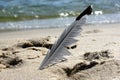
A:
(59, 22)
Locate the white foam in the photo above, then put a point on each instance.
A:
(98, 12)
(63, 14)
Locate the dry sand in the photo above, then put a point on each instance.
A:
(94, 57)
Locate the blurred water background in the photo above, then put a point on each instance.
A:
(32, 14)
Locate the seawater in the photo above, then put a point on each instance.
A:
(29, 14)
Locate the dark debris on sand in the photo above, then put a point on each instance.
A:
(97, 55)
(36, 43)
(10, 60)
(72, 46)
(79, 67)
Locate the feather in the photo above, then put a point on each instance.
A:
(58, 51)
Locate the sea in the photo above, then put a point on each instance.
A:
(39, 14)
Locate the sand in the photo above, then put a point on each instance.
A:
(96, 56)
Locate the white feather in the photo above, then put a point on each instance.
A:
(58, 50)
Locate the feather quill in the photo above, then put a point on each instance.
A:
(58, 51)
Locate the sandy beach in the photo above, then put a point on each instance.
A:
(96, 56)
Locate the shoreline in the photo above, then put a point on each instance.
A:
(49, 31)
